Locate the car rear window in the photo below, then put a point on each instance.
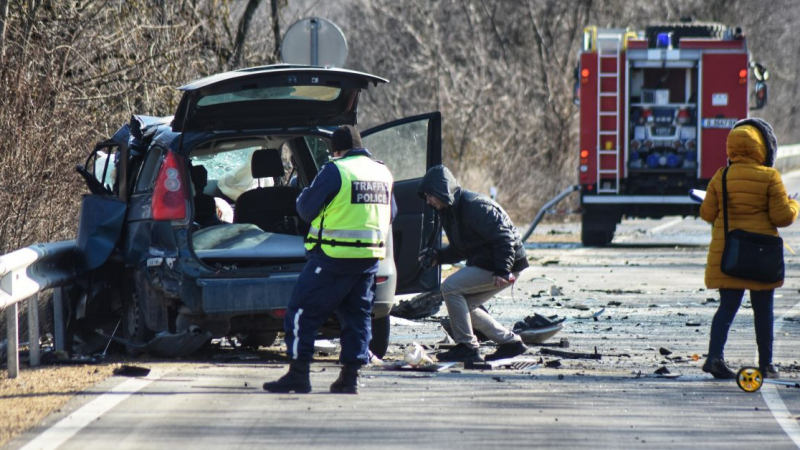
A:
(302, 93)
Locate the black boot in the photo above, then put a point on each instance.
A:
(295, 380)
(347, 383)
(718, 368)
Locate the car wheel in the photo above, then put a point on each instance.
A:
(380, 336)
(257, 340)
(134, 328)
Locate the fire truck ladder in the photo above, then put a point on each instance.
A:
(609, 48)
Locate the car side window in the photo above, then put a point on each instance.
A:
(319, 150)
(147, 174)
(403, 148)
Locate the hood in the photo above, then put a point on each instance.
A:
(440, 183)
(752, 140)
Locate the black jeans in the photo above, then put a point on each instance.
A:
(729, 302)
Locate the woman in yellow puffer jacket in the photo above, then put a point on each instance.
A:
(757, 202)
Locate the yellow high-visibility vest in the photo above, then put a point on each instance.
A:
(356, 222)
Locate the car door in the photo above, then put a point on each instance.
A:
(409, 147)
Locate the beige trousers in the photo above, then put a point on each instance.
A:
(463, 293)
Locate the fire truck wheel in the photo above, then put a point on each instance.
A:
(594, 238)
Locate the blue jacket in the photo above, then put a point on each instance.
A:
(311, 202)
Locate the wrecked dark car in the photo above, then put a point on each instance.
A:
(190, 231)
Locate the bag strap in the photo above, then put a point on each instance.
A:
(725, 198)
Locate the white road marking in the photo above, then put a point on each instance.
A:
(69, 426)
(772, 397)
(664, 226)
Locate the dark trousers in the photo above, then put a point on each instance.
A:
(318, 293)
(729, 302)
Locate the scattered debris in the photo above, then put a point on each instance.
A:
(570, 355)
(553, 364)
(614, 303)
(693, 323)
(324, 347)
(615, 291)
(593, 316)
(517, 363)
(664, 351)
(537, 329)
(132, 371)
(662, 371)
(419, 307)
(560, 377)
(550, 262)
(499, 379)
(581, 307)
(792, 319)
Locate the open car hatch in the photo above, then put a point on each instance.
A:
(282, 96)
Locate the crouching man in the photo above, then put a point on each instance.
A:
(479, 231)
(350, 207)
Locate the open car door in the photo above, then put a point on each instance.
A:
(409, 147)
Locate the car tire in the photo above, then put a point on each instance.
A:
(257, 340)
(596, 238)
(381, 329)
(597, 230)
(134, 328)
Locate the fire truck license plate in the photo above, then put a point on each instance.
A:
(719, 123)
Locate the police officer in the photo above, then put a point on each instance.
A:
(350, 207)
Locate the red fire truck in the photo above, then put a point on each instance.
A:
(655, 111)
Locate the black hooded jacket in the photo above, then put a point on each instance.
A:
(477, 228)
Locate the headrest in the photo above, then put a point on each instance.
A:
(267, 163)
(199, 176)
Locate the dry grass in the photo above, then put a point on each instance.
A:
(38, 392)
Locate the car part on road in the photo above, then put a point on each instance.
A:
(126, 370)
(750, 379)
(516, 363)
(419, 307)
(571, 355)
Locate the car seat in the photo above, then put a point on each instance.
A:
(270, 208)
(205, 209)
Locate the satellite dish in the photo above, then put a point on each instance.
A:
(314, 41)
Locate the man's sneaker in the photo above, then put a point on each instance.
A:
(717, 368)
(461, 353)
(507, 350)
(769, 371)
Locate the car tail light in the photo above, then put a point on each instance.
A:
(743, 76)
(279, 313)
(379, 280)
(169, 195)
(584, 76)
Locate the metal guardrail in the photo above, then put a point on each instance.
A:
(24, 274)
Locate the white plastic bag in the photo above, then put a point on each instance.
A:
(415, 356)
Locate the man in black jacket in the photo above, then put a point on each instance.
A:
(479, 231)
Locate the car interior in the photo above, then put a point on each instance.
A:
(260, 178)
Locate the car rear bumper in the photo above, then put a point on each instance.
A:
(246, 295)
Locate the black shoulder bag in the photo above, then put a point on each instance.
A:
(751, 256)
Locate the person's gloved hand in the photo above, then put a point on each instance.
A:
(428, 257)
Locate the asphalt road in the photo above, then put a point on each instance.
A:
(649, 286)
